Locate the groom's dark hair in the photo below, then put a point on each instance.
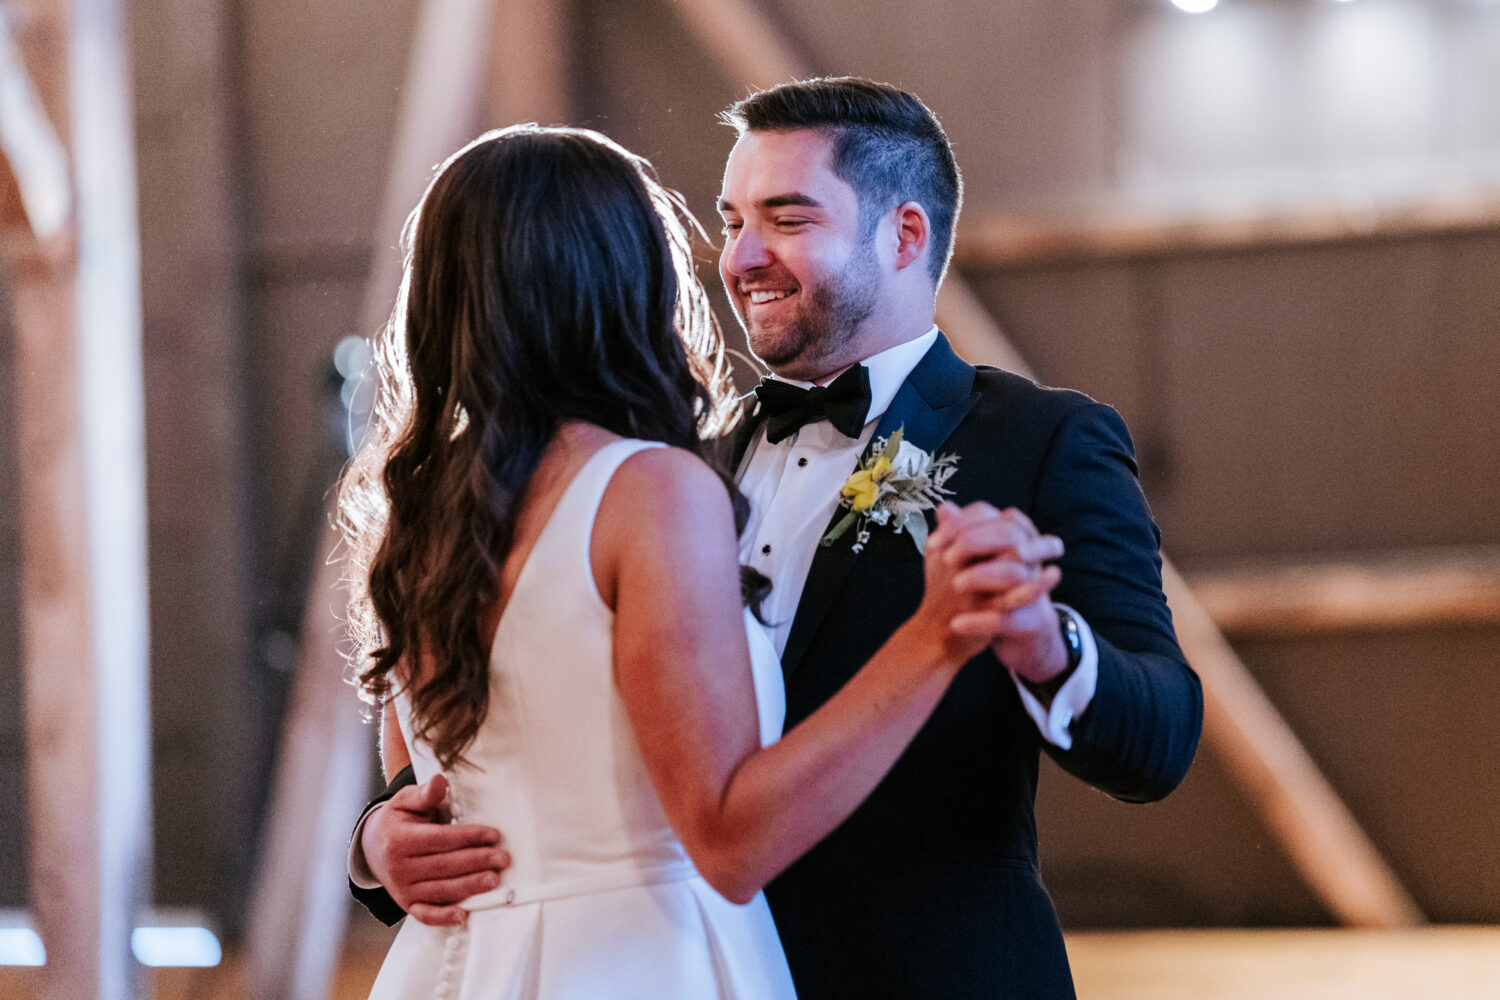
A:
(887, 145)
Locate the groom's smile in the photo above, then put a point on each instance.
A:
(797, 271)
(763, 297)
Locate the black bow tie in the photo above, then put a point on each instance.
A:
(844, 402)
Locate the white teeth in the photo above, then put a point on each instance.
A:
(759, 297)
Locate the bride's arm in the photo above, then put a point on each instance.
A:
(666, 559)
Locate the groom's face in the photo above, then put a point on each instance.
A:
(802, 281)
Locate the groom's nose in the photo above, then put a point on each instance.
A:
(745, 251)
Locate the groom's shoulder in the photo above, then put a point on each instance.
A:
(1008, 396)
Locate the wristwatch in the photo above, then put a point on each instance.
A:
(1072, 640)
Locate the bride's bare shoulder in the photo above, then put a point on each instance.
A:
(668, 483)
(665, 517)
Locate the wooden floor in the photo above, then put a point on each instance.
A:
(1447, 963)
(1441, 963)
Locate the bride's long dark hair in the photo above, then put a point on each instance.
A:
(548, 277)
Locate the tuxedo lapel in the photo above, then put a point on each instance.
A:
(935, 397)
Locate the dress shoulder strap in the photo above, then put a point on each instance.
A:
(580, 501)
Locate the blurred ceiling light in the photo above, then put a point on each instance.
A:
(21, 946)
(1195, 6)
(180, 947)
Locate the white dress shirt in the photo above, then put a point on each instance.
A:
(793, 488)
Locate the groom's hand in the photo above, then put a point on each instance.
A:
(426, 863)
(1005, 555)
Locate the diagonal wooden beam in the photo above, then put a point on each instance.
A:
(1262, 754)
(530, 58)
(30, 145)
(440, 111)
(1294, 799)
(322, 776)
(751, 50)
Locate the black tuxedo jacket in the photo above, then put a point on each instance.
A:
(931, 888)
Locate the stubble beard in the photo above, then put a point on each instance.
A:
(826, 326)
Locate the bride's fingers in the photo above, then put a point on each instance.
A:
(1015, 515)
(983, 624)
(1002, 574)
(1042, 548)
(993, 618)
(993, 575)
(953, 521)
(1025, 593)
(984, 592)
(948, 516)
(980, 536)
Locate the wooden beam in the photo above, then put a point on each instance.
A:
(1121, 230)
(56, 640)
(1453, 963)
(1416, 589)
(531, 53)
(1294, 800)
(972, 330)
(199, 336)
(82, 460)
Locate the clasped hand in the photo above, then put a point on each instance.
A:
(989, 577)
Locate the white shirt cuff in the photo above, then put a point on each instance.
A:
(1073, 698)
(359, 867)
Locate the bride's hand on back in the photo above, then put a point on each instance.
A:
(987, 578)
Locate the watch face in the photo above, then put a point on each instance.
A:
(1071, 638)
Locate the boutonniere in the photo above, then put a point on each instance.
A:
(893, 486)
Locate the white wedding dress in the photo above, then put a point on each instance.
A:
(601, 901)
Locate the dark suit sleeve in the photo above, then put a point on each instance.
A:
(1140, 731)
(378, 901)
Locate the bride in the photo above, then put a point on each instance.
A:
(548, 604)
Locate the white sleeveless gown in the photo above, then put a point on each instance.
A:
(601, 899)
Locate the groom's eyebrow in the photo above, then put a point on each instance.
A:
(776, 201)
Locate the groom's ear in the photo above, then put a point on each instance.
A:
(913, 234)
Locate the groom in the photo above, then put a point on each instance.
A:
(839, 203)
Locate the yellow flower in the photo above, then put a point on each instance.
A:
(863, 487)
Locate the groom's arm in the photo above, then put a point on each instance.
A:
(1139, 730)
